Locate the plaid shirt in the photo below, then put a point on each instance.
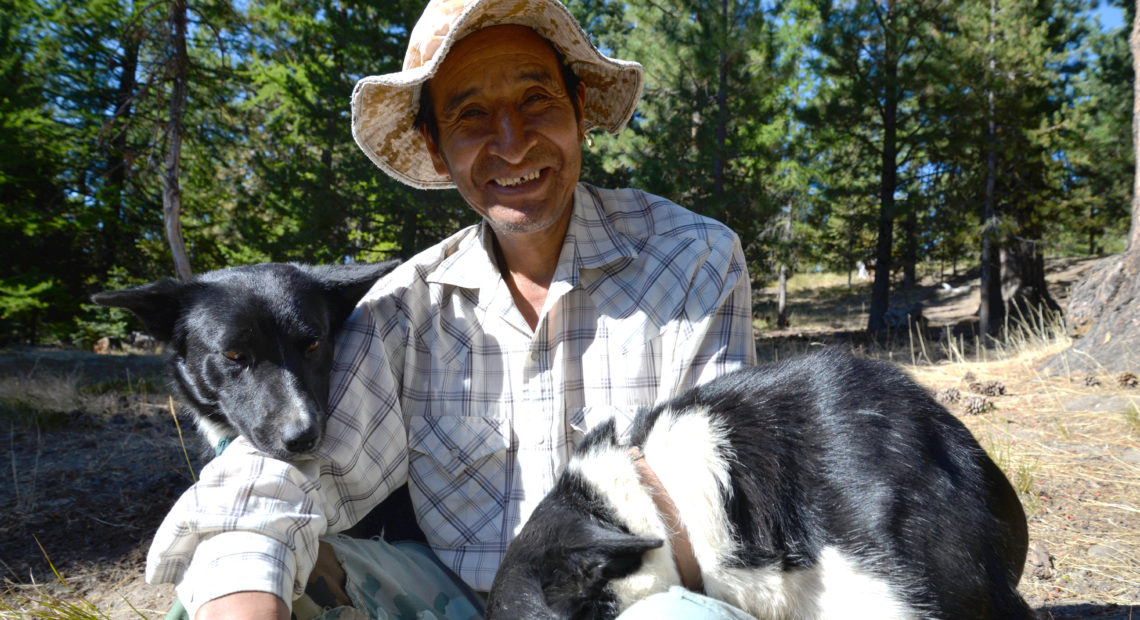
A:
(440, 382)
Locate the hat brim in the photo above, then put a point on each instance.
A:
(384, 106)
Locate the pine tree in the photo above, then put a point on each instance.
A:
(875, 58)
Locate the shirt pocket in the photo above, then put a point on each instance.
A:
(458, 468)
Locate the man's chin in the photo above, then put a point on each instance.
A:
(517, 225)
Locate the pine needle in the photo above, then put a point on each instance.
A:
(182, 441)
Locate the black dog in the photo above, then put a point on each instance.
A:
(251, 347)
(826, 486)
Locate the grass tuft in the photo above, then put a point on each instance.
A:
(1132, 417)
(38, 601)
(39, 400)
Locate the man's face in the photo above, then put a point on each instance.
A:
(508, 134)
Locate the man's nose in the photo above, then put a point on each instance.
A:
(511, 140)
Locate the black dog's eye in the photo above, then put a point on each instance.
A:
(313, 346)
(236, 356)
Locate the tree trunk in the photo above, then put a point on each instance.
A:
(721, 112)
(118, 162)
(1134, 46)
(782, 298)
(888, 180)
(1103, 314)
(910, 251)
(1023, 284)
(991, 315)
(171, 190)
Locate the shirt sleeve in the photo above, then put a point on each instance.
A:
(715, 336)
(251, 523)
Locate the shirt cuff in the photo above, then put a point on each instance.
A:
(237, 562)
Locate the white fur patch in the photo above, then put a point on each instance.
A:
(213, 432)
(836, 587)
(847, 587)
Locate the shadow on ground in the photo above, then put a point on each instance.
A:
(1100, 612)
(93, 459)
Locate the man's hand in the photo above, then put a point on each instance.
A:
(246, 606)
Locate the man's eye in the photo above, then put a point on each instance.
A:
(470, 113)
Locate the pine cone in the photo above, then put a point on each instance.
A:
(975, 405)
(1127, 380)
(1092, 381)
(948, 396)
(992, 388)
(969, 377)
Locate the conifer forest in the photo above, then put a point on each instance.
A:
(144, 140)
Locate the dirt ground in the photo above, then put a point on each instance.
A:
(93, 458)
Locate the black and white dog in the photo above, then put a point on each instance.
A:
(827, 486)
(251, 347)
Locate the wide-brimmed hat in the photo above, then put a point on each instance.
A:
(384, 106)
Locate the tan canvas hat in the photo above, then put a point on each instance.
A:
(384, 106)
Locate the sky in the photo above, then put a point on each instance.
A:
(1110, 17)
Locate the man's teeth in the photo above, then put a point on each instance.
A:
(510, 181)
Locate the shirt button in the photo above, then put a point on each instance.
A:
(542, 441)
(534, 355)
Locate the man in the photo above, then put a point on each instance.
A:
(468, 372)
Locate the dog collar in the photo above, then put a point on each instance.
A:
(683, 555)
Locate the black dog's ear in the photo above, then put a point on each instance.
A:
(349, 282)
(611, 554)
(158, 305)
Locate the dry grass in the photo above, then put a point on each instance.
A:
(56, 601)
(1072, 454)
(90, 463)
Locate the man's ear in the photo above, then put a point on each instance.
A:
(433, 150)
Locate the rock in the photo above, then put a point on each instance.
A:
(1040, 562)
(1131, 455)
(1103, 320)
(106, 344)
(1102, 551)
(143, 342)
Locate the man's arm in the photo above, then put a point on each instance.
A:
(718, 308)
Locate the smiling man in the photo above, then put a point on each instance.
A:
(469, 372)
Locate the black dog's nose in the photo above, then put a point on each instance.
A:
(302, 441)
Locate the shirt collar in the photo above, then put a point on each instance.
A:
(592, 236)
(591, 242)
(472, 262)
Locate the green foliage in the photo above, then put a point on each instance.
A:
(22, 306)
(18, 300)
(774, 117)
(93, 321)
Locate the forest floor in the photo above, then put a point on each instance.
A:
(94, 460)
